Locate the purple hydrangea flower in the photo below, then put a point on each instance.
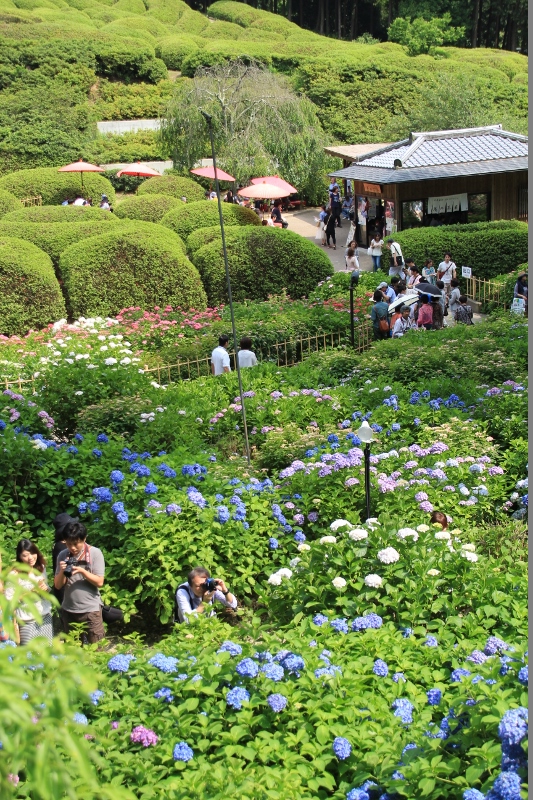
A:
(380, 668)
(342, 748)
(247, 668)
(236, 697)
(144, 736)
(277, 702)
(434, 696)
(182, 752)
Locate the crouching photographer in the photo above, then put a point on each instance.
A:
(80, 571)
(200, 592)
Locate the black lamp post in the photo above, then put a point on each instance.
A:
(354, 280)
(209, 121)
(365, 434)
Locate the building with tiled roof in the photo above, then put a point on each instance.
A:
(439, 178)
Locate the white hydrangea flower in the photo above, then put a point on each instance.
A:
(339, 583)
(328, 540)
(110, 361)
(433, 572)
(404, 533)
(294, 562)
(389, 555)
(103, 348)
(303, 547)
(339, 523)
(275, 579)
(79, 393)
(358, 534)
(285, 573)
(469, 556)
(373, 521)
(374, 581)
(39, 444)
(125, 361)
(422, 528)
(92, 366)
(442, 535)
(471, 547)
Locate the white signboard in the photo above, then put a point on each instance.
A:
(466, 272)
(518, 306)
(450, 202)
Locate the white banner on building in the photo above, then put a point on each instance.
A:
(450, 202)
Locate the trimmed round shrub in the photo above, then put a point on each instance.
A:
(132, 267)
(262, 261)
(30, 296)
(203, 236)
(174, 185)
(54, 186)
(74, 214)
(188, 218)
(173, 49)
(488, 248)
(147, 207)
(8, 202)
(54, 237)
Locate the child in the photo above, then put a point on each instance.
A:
(463, 313)
(246, 356)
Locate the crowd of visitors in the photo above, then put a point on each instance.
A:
(220, 360)
(79, 200)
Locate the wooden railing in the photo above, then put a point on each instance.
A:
(9, 383)
(485, 291)
(32, 201)
(283, 354)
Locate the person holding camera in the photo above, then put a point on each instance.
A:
(80, 571)
(200, 591)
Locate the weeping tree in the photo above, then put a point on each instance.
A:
(261, 126)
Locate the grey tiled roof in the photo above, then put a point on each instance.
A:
(360, 172)
(453, 150)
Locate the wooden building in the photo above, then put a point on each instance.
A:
(438, 178)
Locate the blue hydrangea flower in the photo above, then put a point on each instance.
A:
(120, 663)
(299, 537)
(458, 674)
(399, 676)
(333, 438)
(172, 508)
(122, 517)
(219, 497)
(264, 656)
(277, 702)
(293, 664)
(236, 697)
(116, 508)
(80, 719)
(380, 668)
(507, 786)
(523, 675)
(164, 694)
(395, 427)
(477, 657)
(232, 648)
(182, 752)
(102, 494)
(222, 514)
(97, 452)
(340, 625)
(78, 437)
(96, 696)
(513, 726)
(434, 696)
(72, 449)
(247, 668)
(273, 543)
(406, 632)
(163, 663)
(397, 776)
(357, 794)
(82, 508)
(342, 748)
(70, 482)
(274, 672)
(94, 507)
(431, 642)
(116, 476)
(320, 619)
(102, 438)
(473, 794)
(403, 709)
(150, 488)
(182, 676)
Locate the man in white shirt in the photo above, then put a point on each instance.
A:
(201, 591)
(220, 358)
(104, 203)
(387, 291)
(212, 195)
(246, 356)
(79, 201)
(447, 272)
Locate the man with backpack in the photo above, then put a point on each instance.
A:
(200, 591)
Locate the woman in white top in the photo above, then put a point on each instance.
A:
(376, 247)
(246, 355)
(28, 553)
(352, 262)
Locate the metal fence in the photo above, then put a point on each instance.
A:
(32, 201)
(485, 291)
(283, 354)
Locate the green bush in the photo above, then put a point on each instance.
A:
(202, 236)
(173, 49)
(54, 186)
(262, 261)
(488, 248)
(30, 296)
(54, 237)
(200, 58)
(139, 266)
(188, 218)
(174, 185)
(8, 203)
(148, 207)
(44, 214)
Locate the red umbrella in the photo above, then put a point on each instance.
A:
(273, 180)
(139, 170)
(209, 172)
(263, 190)
(81, 166)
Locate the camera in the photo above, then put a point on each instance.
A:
(71, 562)
(210, 585)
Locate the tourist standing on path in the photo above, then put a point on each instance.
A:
(322, 217)
(396, 258)
(425, 313)
(428, 272)
(336, 206)
(520, 289)
(376, 249)
(455, 294)
(380, 316)
(246, 356)
(352, 262)
(463, 314)
(220, 362)
(438, 314)
(329, 223)
(447, 272)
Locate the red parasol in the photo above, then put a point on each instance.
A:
(263, 190)
(81, 166)
(209, 172)
(273, 180)
(139, 170)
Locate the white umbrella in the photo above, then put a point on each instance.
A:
(404, 300)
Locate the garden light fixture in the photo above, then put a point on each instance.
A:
(365, 433)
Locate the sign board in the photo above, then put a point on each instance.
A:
(466, 272)
(373, 188)
(518, 305)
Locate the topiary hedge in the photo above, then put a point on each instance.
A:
(203, 236)
(188, 218)
(8, 202)
(488, 248)
(148, 207)
(173, 49)
(54, 186)
(39, 214)
(262, 261)
(30, 296)
(132, 267)
(174, 185)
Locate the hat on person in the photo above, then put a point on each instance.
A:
(61, 523)
(104, 197)
(390, 240)
(383, 285)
